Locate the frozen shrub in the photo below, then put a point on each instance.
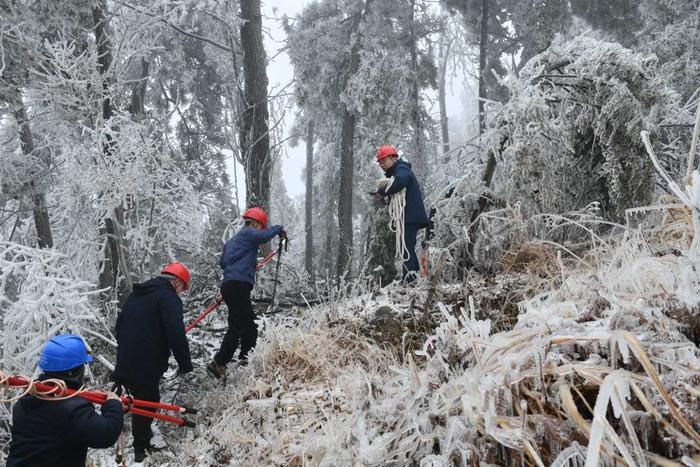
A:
(572, 128)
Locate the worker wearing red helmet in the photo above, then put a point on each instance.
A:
(415, 217)
(238, 261)
(150, 327)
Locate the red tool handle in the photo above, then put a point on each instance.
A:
(161, 406)
(101, 397)
(219, 299)
(98, 397)
(266, 259)
(160, 416)
(204, 314)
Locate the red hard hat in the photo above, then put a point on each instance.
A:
(178, 270)
(386, 150)
(256, 214)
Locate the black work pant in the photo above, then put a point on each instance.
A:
(410, 266)
(141, 426)
(241, 322)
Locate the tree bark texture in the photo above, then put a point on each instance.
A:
(327, 253)
(380, 250)
(104, 53)
(115, 259)
(138, 90)
(444, 54)
(343, 265)
(33, 185)
(254, 130)
(483, 51)
(419, 153)
(309, 203)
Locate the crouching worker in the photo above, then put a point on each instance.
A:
(149, 327)
(59, 432)
(238, 261)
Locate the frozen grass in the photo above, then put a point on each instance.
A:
(595, 370)
(558, 360)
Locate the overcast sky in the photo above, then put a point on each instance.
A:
(280, 73)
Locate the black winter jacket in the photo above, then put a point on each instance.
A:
(58, 433)
(405, 178)
(148, 328)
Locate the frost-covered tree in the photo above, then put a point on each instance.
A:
(254, 124)
(568, 136)
(41, 296)
(282, 208)
(511, 29)
(621, 19)
(383, 96)
(572, 128)
(128, 150)
(309, 201)
(667, 28)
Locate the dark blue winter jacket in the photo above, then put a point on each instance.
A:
(238, 259)
(58, 433)
(148, 328)
(405, 178)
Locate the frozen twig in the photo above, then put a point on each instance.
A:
(693, 146)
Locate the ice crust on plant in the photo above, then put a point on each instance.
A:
(567, 137)
(321, 390)
(40, 297)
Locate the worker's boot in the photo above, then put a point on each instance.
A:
(216, 370)
(140, 454)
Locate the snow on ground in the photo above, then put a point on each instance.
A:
(364, 380)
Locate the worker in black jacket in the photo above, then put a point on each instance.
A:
(149, 327)
(56, 433)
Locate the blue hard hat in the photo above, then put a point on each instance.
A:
(63, 352)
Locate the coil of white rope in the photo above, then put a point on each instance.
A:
(397, 212)
(58, 387)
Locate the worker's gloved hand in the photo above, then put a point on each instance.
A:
(283, 234)
(118, 389)
(112, 396)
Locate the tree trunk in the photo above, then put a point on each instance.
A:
(104, 53)
(327, 253)
(444, 54)
(380, 251)
(38, 197)
(483, 50)
(138, 91)
(309, 251)
(482, 202)
(255, 139)
(115, 257)
(419, 153)
(344, 262)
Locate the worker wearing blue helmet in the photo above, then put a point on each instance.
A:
(59, 432)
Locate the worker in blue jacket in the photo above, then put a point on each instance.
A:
(150, 327)
(415, 217)
(54, 433)
(238, 261)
